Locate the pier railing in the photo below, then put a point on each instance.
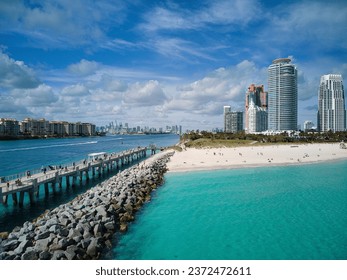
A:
(21, 175)
(23, 181)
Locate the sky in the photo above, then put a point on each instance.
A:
(157, 63)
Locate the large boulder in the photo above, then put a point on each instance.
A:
(4, 235)
(94, 248)
(9, 245)
(42, 244)
(22, 247)
(30, 255)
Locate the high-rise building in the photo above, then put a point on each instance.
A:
(283, 95)
(34, 127)
(308, 125)
(331, 104)
(233, 121)
(256, 109)
(9, 127)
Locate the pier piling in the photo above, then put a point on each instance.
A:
(46, 189)
(93, 168)
(14, 198)
(21, 198)
(31, 196)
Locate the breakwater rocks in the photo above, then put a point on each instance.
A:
(84, 227)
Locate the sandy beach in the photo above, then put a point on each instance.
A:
(191, 159)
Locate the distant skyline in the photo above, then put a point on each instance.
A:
(161, 62)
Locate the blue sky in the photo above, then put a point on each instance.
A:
(160, 62)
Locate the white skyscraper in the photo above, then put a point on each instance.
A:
(331, 104)
(257, 118)
(256, 109)
(283, 95)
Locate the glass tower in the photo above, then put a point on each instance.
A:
(331, 104)
(283, 95)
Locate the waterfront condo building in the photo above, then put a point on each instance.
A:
(9, 127)
(34, 127)
(256, 109)
(331, 104)
(283, 95)
(233, 121)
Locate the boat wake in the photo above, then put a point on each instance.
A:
(49, 146)
(113, 139)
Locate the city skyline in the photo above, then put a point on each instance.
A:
(43, 127)
(163, 62)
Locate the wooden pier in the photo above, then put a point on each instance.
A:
(90, 168)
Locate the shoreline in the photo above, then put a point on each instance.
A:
(220, 168)
(206, 159)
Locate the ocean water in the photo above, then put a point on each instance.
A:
(290, 213)
(21, 155)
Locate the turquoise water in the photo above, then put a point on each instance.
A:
(295, 212)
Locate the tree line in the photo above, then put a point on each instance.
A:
(285, 137)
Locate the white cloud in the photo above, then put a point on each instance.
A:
(111, 83)
(76, 90)
(15, 74)
(224, 12)
(223, 86)
(41, 96)
(121, 44)
(84, 67)
(8, 108)
(61, 23)
(179, 48)
(106, 97)
(161, 18)
(145, 94)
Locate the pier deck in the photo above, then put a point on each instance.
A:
(19, 184)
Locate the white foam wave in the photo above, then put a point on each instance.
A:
(49, 146)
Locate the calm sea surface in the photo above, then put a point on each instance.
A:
(295, 212)
(21, 155)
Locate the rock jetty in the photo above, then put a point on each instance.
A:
(83, 228)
